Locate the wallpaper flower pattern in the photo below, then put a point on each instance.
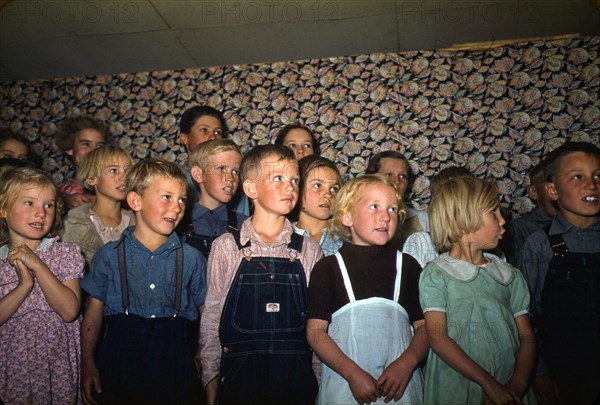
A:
(497, 111)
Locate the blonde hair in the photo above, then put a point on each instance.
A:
(350, 194)
(456, 209)
(141, 174)
(94, 162)
(15, 180)
(201, 153)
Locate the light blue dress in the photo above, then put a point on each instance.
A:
(481, 304)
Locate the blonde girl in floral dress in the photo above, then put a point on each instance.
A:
(39, 294)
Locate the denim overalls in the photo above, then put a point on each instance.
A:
(147, 360)
(373, 332)
(570, 324)
(265, 357)
(204, 242)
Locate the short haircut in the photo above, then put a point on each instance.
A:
(144, 172)
(12, 182)
(554, 158)
(94, 162)
(193, 114)
(201, 153)
(375, 163)
(65, 134)
(280, 139)
(350, 194)
(457, 208)
(446, 174)
(536, 174)
(254, 158)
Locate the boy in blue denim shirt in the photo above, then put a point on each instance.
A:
(215, 167)
(561, 264)
(147, 287)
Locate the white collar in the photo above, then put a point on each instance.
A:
(41, 248)
(462, 270)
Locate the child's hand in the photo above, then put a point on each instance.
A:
(363, 387)
(25, 275)
(26, 257)
(90, 384)
(394, 380)
(497, 394)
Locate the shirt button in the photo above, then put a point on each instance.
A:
(152, 316)
(152, 286)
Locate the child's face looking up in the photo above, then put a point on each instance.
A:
(374, 217)
(31, 216)
(300, 141)
(490, 231)
(11, 148)
(206, 128)
(576, 187)
(397, 170)
(219, 178)
(85, 141)
(320, 191)
(274, 185)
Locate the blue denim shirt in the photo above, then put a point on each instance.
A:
(150, 278)
(213, 222)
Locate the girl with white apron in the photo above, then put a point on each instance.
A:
(372, 332)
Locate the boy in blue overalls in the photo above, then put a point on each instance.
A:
(253, 333)
(215, 168)
(147, 287)
(561, 264)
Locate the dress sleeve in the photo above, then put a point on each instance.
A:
(71, 263)
(433, 289)
(519, 295)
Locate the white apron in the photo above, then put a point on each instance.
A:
(372, 332)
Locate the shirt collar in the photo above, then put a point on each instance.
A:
(466, 271)
(248, 232)
(41, 248)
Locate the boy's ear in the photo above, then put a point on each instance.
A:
(183, 138)
(347, 219)
(249, 188)
(134, 200)
(196, 173)
(551, 191)
(69, 152)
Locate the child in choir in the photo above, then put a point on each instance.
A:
(39, 294)
(253, 336)
(475, 304)
(299, 139)
(13, 145)
(92, 225)
(78, 136)
(215, 167)
(363, 303)
(561, 264)
(320, 182)
(145, 288)
(394, 165)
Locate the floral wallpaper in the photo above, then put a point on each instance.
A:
(495, 111)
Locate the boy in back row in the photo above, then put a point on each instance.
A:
(146, 287)
(215, 168)
(253, 334)
(561, 264)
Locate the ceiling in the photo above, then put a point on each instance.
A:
(62, 38)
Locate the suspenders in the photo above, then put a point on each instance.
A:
(123, 275)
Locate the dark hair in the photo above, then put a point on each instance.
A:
(554, 158)
(305, 166)
(282, 134)
(65, 134)
(193, 114)
(375, 164)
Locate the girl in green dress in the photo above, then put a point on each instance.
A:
(475, 305)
